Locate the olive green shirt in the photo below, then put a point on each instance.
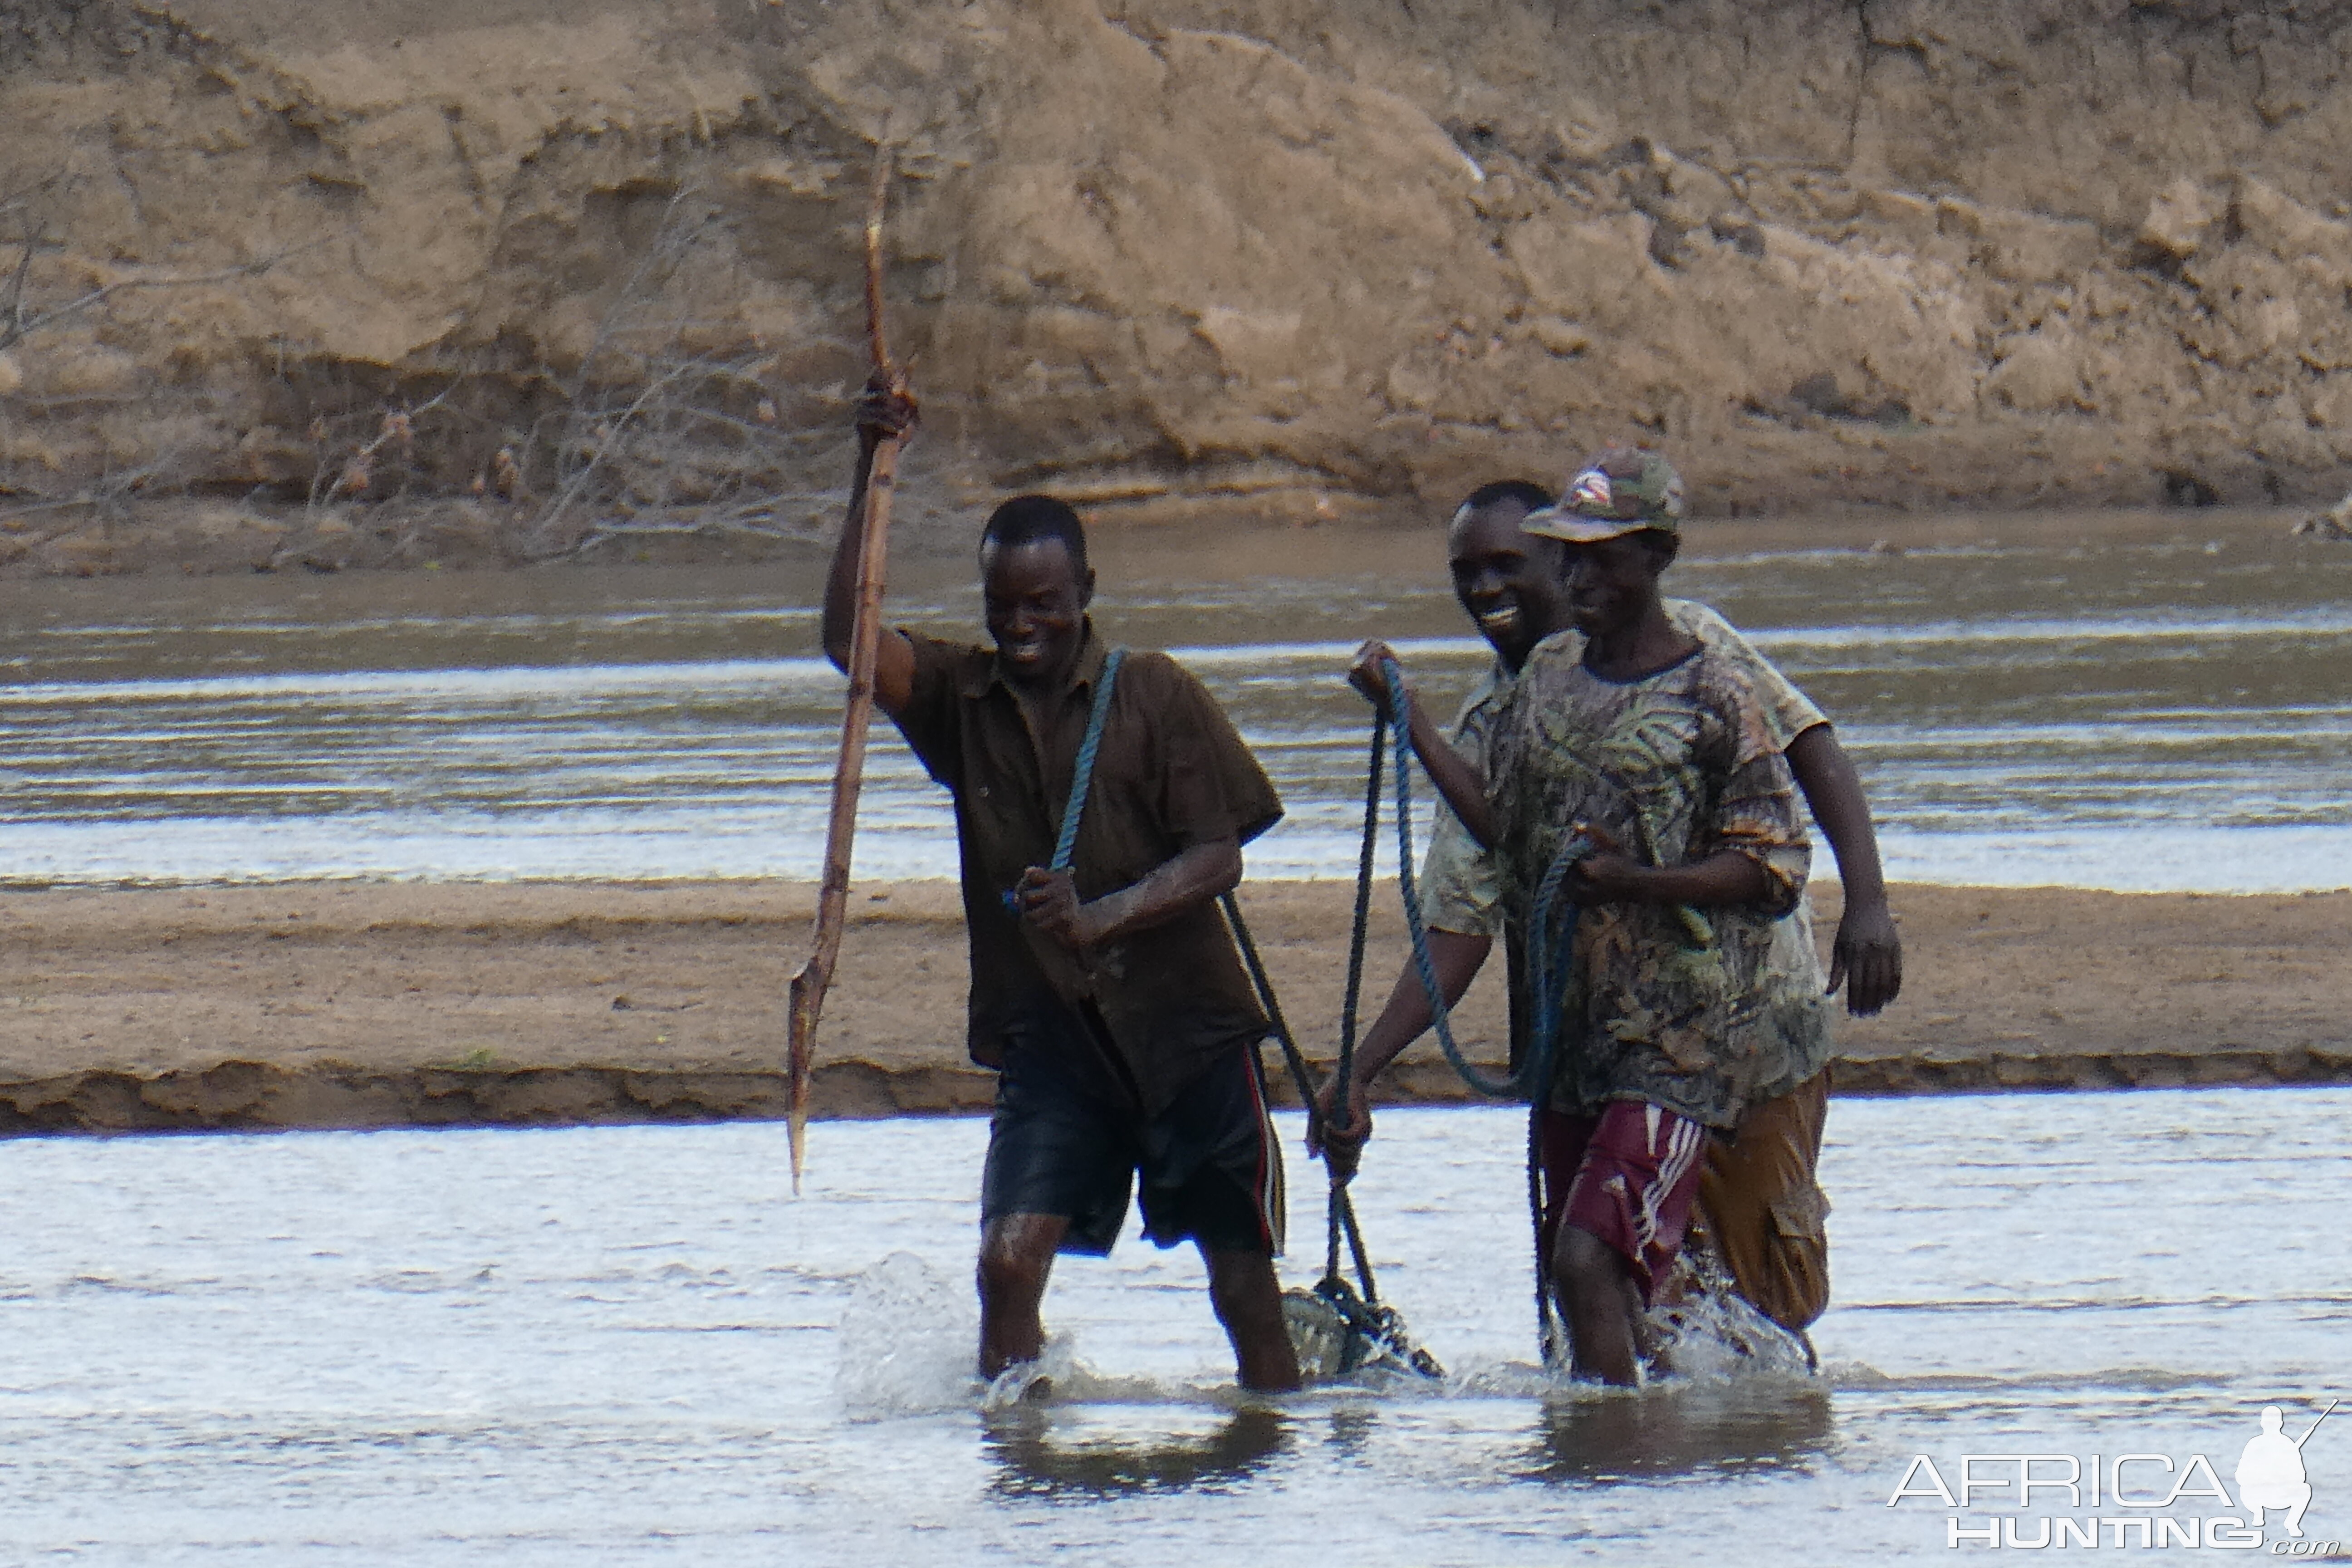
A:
(1140, 1016)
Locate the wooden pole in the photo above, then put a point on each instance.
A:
(809, 982)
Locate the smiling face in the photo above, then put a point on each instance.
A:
(1506, 580)
(1036, 600)
(1612, 584)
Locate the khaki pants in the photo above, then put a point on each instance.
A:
(1761, 1208)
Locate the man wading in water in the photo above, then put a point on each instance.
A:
(1673, 1018)
(1108, 995)
(1758, 1197)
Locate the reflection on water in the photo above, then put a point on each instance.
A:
(1727, 1429)
(2156, 707)
(527, 1347)
(1045, 1454)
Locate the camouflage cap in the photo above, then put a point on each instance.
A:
(1623, 490)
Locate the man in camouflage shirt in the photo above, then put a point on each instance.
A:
(1675, 1005)
(1679, 1007)
(1758, 1202)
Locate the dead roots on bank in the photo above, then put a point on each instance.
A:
(663, 429)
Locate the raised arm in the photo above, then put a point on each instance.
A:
(1463, 789)
(880, 415)
(1867, 957)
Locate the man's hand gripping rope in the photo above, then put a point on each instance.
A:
(1586, 860)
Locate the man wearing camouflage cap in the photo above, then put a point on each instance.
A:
(1675, 1008)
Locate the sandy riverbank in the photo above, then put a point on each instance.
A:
(1347, 258)
(369, 1005)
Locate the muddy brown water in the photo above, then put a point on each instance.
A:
(2132, 701)
(623, 1342)
(626, 1344)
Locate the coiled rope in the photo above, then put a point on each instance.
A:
(1548, 959)
(1548, 956)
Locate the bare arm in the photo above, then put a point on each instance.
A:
(1457, 958)
(1186, 879)
(1867, 957)
(1726, 876)
(1456, 779)
(878, 415)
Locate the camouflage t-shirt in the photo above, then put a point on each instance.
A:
(1686, 1009)
(1462, 891)
(1458, 887)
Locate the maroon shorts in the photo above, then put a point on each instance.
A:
(1628, 1175)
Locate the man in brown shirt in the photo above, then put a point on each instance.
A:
(1107, 995)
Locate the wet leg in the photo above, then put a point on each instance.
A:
(1602, 1305)
(1016, 1257)
(1248, 1301)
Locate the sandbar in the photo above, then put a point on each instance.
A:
(368, 1004)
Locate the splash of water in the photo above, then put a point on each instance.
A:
(905, 1345)
(1711, 1335)
(1056, 1377)
(1714, 1335)
(906, 1337)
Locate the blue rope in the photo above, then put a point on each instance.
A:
(1082, 776)
(1349, 1003)
(1548, 962)
(1339, 1217)
(1547, 957)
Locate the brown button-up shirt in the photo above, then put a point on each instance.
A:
(1139, 1016)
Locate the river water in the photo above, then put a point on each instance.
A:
(2122, 701)
(632, 1343)
(573, 1346)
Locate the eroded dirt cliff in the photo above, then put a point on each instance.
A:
(1306, 256)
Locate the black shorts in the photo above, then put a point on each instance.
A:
(1211, 1168)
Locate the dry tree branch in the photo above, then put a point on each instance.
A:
(619, 424)
(590, 429)
(14, 329)
(353, 473)
(34, 236)
(17, 328)
(810, 981)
